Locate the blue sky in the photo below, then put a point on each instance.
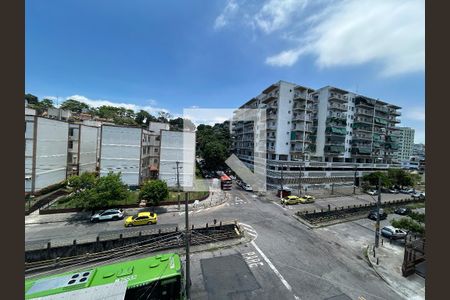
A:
(171, 55)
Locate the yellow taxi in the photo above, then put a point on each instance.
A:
(306, 199)
(142, 218)
(290, 200)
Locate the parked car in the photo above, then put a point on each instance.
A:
(407, 191)
(306, 199)
(247, 187)
(402, 210)
(393, 191)
(373, 215)
(108, 215)
(290, 200)
(142, 218)
(418, 195)
(393, 233)
(372, 192)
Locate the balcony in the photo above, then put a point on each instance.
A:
(364, 112)
(334, 149)
(337, 97)
(382, 109)
(301, 128)
(363, 120)
(335, 106)
(302, 118)
(360, 150)
(335, 131)
(303, 107)
(395, 112)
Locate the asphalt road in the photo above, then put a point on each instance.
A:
(287, 259)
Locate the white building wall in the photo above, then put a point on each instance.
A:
(284, 118)
(88, 149)
(29, 142)
(51, 152)
(350, 118)
(120, 151)
(158, 126)
(322, 110)
(177, 146)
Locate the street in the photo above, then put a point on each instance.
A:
(287, 259)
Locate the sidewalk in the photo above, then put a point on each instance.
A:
(389, 268)
(215, 198)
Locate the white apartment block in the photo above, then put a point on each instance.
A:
(177, 146)
(127, 150)
(46, 143)
(406, 141)
(83, 150)
(328, 131)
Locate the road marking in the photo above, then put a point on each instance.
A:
(285, 283)
(252, 259)
(279, 205)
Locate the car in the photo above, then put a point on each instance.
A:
(407, 191)
(393, 233)
(372, 192)
(418, 195)
(290, 200)
(306, 199)
(247, 187)
(108, 215)
(402, 210)
(393, 191)
(373, 215)
(142, 218)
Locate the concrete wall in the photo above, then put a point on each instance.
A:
(120, 151)
(284, 114)
(51, 152)
(322, 117)
(177, 146)
(88, 148)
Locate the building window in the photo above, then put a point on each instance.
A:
(70, 144)
(155, 161)
(156, 149)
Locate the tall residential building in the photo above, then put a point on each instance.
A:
(45, 152)
(419, 150)
(329, 131)
(406, 142)
(177, 146)
(127, 150)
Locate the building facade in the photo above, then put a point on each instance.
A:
(83, 150)
(406, 141)
(46, 143)
(126, 150)
(328, 132)
(177, 146)
(155, 145)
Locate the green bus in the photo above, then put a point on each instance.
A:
(155, 277)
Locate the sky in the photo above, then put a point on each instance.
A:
(176, 55)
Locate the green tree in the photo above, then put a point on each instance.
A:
(74, 106)
(409, 225)
(214, 154)
(142, 117)
(32, 99)
(179, 124)
(372, 179)
(78, 183)
(164, 117)
(154, 191)
(42, 106)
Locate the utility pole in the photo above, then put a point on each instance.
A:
(354, 182)
(377, 226)
(187, 238)
(281, 183)
(299, 181)
(178, 185)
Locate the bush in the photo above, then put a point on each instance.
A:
(154, 191)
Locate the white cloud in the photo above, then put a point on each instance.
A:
(277, 14)
(414, 113)
(228, 12)
(354, 32)
(134, 107)
(208, 116)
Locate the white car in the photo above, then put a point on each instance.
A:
(247, 187)
(108, 215)
(372, 192)
(392, 232)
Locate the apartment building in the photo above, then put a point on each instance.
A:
(155, 144)
(177, 146)
(83, 150)
(46, 142)
(327, 131)
(406, 142)
(125, 149)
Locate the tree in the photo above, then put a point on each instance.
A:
(31, 99)
(142, 117)
(164, 117)
(154, 191)
(179, 124)
(105, 191)
(74, 106)
(78, 183)
(372, 179)
(214, 154)
(42, 106)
